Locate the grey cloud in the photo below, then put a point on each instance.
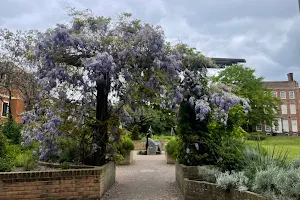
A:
(264, 32)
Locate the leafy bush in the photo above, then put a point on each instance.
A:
(265, 180)
(172, 147)
(127, 144)
(135, 133)
(26, 160)
(5, 164)
(231, 154)
(256, 136)
(295, 164)
(208, 173)
(228, 181)
(287, 183)
(3, 144)
(12, 131)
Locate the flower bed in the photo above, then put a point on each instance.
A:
(192, 189)
(87, 183)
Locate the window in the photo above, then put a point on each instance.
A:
(274, 93)
(293, 108)
(268, 128)
(258, 127)
(294, 126)
(4, 109)
(282, 95)
(285, 125)
(283, 109)
(292, 95)
(275, 126)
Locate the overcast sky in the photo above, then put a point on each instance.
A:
(264, 32)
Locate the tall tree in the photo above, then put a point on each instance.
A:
(92, 57)
(244, 83)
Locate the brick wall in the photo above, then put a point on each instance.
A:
(191, 189)
(59, 184)
(182, 171)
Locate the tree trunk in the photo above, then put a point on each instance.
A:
(102, 115)
(10, 117)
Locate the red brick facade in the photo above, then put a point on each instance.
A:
(17, 105)
(288, 113)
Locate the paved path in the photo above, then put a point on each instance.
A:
(147, 178)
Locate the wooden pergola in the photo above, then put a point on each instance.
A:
(223, 62)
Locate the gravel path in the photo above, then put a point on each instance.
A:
(147, 178)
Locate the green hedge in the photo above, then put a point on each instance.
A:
(256, 136)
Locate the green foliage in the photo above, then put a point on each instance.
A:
(172, 147)
(231, 154)
(161, 121)
(262, 103)
(135, 132)
(127, 144)
(5, 164)
(233, 180)
(256, 136)
(12, 131)
(208, 173)
(3, 144)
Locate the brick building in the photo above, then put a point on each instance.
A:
(287, 122)
(17, 106)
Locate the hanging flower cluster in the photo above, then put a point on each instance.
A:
(42, 125)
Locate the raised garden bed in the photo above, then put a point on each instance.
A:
(84, 183)
(128, 158)
(169, 158)
(193, 189)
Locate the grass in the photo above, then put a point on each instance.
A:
(291, 144)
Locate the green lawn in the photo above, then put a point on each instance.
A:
(291, 144)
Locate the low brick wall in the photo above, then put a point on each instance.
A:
(128, 159)
(169, 158)
(191, 189)
(82, 184)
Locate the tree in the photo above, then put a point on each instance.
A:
(86, 60)
(15, 76)
(246, 84)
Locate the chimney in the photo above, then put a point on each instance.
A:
(290, 76)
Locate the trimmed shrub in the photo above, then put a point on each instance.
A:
(256, 136)
(172, 147)
(127, 144)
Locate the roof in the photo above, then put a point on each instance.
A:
(222, 62)
(281, 84)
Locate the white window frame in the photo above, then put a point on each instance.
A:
(288, 126)
(282, 106)
(281, 95)
(291, 96)
(259, 129)
(274, 94)
(296, 125)
(6, 110)
(268, 128)
(294, 109)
